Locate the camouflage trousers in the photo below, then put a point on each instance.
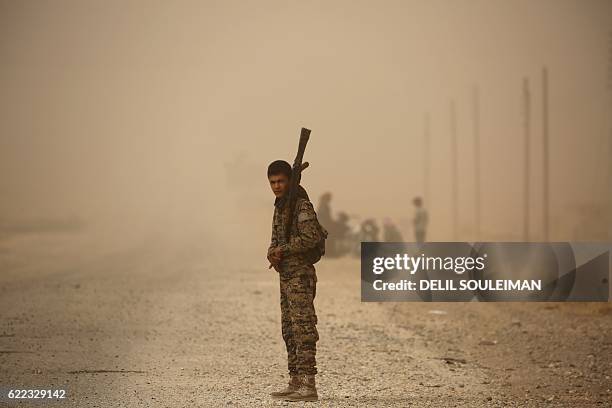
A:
(298, 320)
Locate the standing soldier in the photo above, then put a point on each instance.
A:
(291, 258)
(420, 220)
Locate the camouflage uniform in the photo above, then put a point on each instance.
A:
(297, 284)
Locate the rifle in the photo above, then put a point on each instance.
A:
(296, 177)
(294, 184)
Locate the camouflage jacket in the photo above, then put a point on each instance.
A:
(305, 235)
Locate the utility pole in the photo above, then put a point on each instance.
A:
(454, 168)
(527, 156)
(610, 149)
(545, 153)
(609, 186)
(426, 159)
(476, 122)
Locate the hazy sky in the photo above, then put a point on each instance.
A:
(131, 111)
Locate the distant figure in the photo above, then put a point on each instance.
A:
(342, 242)
(390, 232)
(369, 231)
(324, 211)
(420, 220)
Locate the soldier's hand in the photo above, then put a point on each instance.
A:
(274, 256)
(277, 254)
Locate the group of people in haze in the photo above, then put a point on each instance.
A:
(345, 240)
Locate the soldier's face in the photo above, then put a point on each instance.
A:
(279, 184)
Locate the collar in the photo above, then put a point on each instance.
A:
(279, 202)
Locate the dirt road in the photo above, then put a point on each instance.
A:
(135, 329)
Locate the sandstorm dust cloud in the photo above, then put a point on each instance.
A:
(154, 122)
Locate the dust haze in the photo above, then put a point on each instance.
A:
(150, 124)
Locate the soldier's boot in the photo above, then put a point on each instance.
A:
(294, 384)
(307, 391)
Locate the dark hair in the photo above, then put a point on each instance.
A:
(279, 167)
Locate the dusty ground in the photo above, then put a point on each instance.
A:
(136, 329)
